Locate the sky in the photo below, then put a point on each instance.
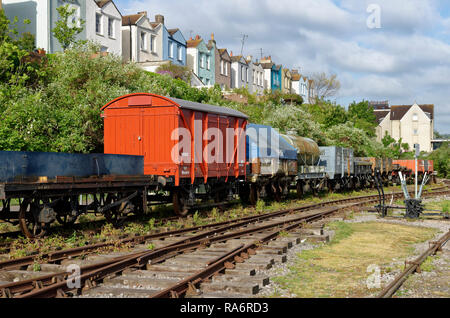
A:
(396, 50)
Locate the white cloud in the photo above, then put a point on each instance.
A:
(404, 61)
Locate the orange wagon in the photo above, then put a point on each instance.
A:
(195, 150)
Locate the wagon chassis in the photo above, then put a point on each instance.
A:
(42, 203)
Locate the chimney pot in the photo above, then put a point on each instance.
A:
(197, 37)
(159, 18)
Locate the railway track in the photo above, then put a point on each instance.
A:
(60, 255)
(166, 246)
(412, 267)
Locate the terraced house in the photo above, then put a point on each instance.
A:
(201, 60)
(272, 74)
(240, 72)
(223, 66)
(300, 85)
(151, 44)
(286, 78)
(102, 21)
(256, 73)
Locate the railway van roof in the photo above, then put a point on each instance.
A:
(208, 108)
(147, 99)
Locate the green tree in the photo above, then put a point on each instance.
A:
(362, 116)
(15, 69)
(175, 71)
(441, 158)
(66, 29)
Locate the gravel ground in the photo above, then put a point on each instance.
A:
(426, 284)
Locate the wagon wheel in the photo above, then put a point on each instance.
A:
(65, 209)
(244, 193)
(277, 192)
(116, 215)
(329, 186)
(299, 190)
(254, 194)
(28, 220)
(221, 195)
(179, 204)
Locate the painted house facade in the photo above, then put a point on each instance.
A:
(299, 85)
(223, 66)
(141, 41)
(286, 78)
(201, 60)
(256, 80)
(414, 124)
(102, 21)
(240, 72)
(272, 74)
(151, 44)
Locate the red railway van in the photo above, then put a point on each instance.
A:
(183, 143)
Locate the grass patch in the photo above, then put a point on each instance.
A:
(339, 269)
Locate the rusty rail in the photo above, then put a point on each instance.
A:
(414, 266)
(140, 260)
(105, 269)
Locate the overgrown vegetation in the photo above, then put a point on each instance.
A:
(341, 268)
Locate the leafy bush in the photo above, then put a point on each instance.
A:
(441, 158)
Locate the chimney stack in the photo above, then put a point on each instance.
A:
(197, 37)
(159, 19)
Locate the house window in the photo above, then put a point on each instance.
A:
(254, 77)
(415, 117)
(208, 62)
(221, 68)
(143, 41)
(152, 43)
(207, 82)
(111, 27)
(247, 74)
(242, 74)
(202, 61)
(416, 132)
(180, 53)
(98, 23)
(171, 49)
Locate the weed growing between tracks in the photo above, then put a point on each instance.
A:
(339, 269)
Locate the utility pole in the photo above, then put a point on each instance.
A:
(244, 37)
(416, 156)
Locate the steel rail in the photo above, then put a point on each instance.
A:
(144, 256)
(414, 266)
(140, 260)
(229, 260)
(56, 256)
